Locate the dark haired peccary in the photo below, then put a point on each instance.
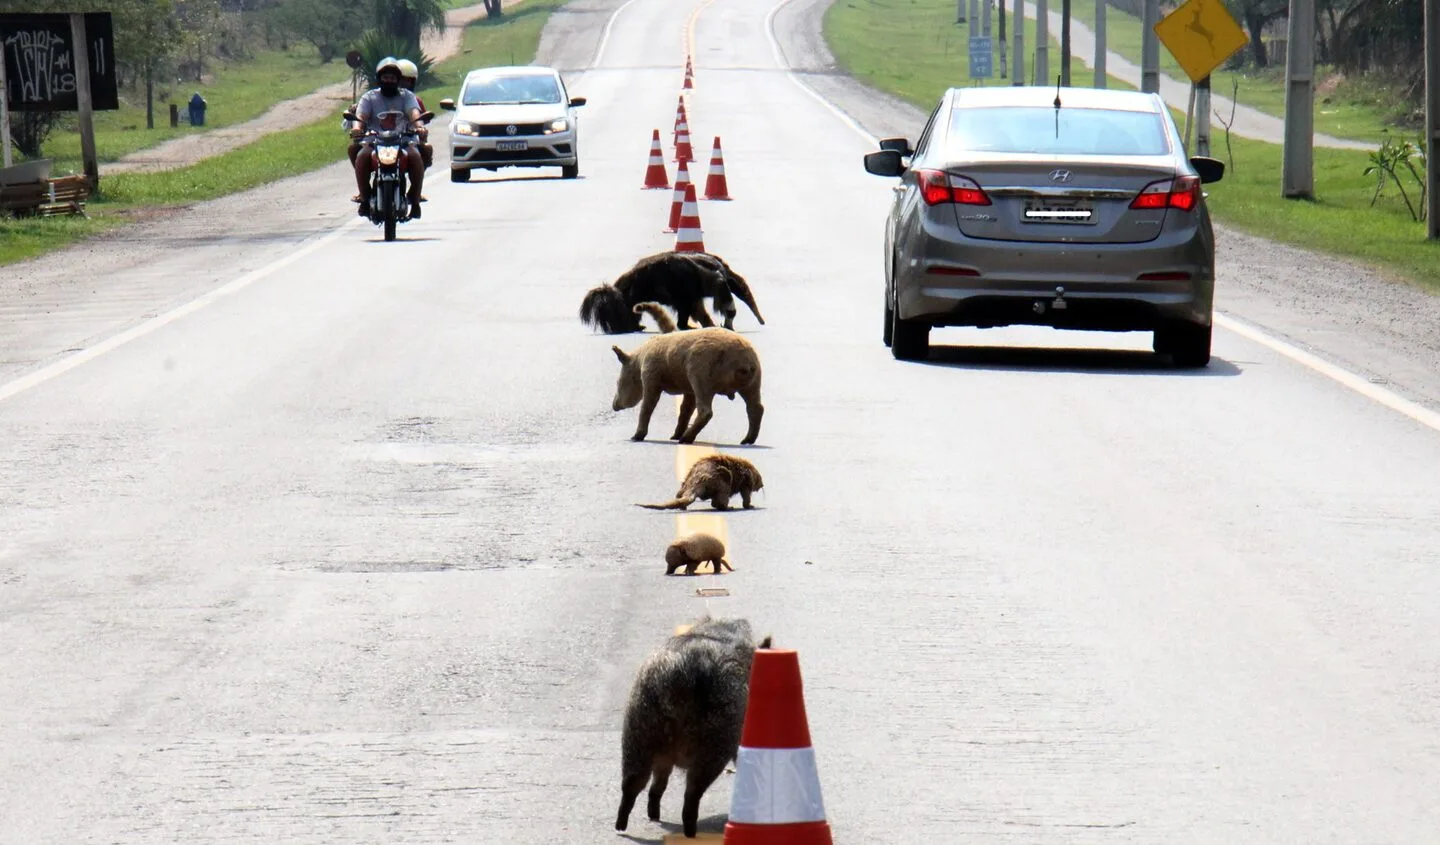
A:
(686, 709)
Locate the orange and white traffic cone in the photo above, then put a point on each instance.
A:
(715, 187)
(689, 237)
(677, 199)
(683, 152)
(680, 116)
(689, 74)
(655, 176)
(776, 799)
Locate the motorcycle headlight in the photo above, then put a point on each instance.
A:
(388, 155)
(461, 127)
(558, 126)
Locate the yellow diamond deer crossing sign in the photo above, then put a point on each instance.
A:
(1201, 35)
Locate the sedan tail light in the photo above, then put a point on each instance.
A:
(937, 186)
(1182, 192)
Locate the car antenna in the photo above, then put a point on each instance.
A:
(1057, 106)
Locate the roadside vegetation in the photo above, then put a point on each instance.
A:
(513, 37)
(1348, 218)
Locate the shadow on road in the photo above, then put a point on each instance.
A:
(1070, 360)
(652, 440)
(528, 177)
(709, 824)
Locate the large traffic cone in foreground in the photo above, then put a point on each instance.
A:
(715, 187)
(655, 174)
(683, 151)
(776, 798)
(688, 236)
(677, 199)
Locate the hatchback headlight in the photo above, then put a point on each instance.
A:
(557, 126)
(461, 127)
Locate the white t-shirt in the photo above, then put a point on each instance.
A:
(373, 107)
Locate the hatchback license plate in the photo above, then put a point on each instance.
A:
(1058, 211)
(511, 146)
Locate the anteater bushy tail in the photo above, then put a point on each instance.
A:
(604, 308)
(673, 504)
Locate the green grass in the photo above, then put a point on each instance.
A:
(1351, 111)
(240, 92)
(516, 37)
(866, 36)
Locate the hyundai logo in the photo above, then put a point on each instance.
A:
(1059, 176)
(511, 130)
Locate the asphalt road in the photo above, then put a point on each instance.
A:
(344, 548)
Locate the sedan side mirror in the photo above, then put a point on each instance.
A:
(899, 145)
(1210, 169)
(884, 163)
(577, 101)
(447, 104)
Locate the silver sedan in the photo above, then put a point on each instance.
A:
(1074, 208)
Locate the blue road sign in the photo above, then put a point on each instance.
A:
(982, 59)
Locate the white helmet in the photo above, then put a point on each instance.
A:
(408, 69)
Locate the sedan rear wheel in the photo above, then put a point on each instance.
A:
(909, 339)
(1187, 344)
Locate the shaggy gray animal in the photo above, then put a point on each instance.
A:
(686, 709)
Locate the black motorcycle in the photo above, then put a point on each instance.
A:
(389, 174)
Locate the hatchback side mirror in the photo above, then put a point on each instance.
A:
(1209, 169)
(447, 104)
(884, 163)
(577, 101)
(899, 145)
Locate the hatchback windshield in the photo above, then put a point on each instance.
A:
(511, 89)
(1034, 129)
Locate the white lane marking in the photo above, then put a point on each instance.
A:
(65, 365)
(605, 34)
(1357, 383)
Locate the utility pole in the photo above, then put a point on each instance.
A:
(81, 53)
(1065, 43)
(1298, 162)
(1101, 78)
(960, 10)
(1432, 118)
(1000, 10)
(1150, 49)
(1042, 42)
(985, 18)
(5, 106)
(1018, 13)
(974, 15)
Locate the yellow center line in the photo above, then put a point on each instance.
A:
(690, 30)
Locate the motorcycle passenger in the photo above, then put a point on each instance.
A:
(409, 75)
(388, 97)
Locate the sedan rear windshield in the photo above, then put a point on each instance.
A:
(1033, 129)
(511, 90)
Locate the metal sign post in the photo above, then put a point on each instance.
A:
(1042, 42)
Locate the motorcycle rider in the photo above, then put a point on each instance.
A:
(409, 75)
(388, 97)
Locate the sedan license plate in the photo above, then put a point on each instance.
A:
(1058, 211)
(511, 146)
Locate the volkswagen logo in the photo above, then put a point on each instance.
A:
(1059, 176)
(511, 130)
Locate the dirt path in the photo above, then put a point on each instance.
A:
(187, 150)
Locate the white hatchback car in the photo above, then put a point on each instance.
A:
(513, 117)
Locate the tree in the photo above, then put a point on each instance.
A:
(407, 18)
(330, 26)
(1256, 15)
